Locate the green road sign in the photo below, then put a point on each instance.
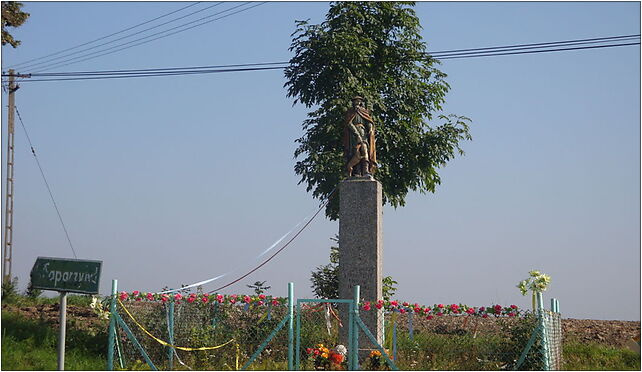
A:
(66, 275)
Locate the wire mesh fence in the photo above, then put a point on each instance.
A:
(233, 334)
(204, 336)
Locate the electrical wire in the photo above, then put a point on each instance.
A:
(105, 37)
(48, 64)
(46, 183)
(442, 55)
(163, 34)
(281, 249)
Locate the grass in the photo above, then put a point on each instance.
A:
(579, 356)
(32, 345)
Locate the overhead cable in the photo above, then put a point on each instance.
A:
(557, 46)
(49, 63)
(159, 35)
(33, 151)
(105, 37)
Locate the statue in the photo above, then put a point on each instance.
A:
(359, 140)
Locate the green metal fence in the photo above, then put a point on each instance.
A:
(216, 336)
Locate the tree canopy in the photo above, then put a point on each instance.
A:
(375, 50)
(12, 16)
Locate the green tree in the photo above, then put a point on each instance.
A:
(375, 50)
(12, 16)
(259, 287)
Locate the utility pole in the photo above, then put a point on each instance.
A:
(8, 217)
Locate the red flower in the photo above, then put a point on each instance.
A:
(513, 306)
(316, 352)
(123, 296)
(511, 314)
(402, 310)
(440, 314)
(192, 294)
(260, 303)
(380, 301)
(482, 308)
(150, 296)
(232, 301)
(379, 305)
(191, 299)
(336, 358)
(308, 350)
(429, 317)
(417, 309)
(454, 307)
(178, 296)
(234, 296)
(394, 303)
(470, 310)
(275, 302)
(441, 306)
(366, 307)
(405, 304)
(135, 293)
(262, 296)
(164, 298)
(247, 299)
(138, 298)
(427, 310)
(485, 315)
(205, 299)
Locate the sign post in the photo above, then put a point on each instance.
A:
(65, 275)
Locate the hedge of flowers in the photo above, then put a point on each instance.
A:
(440, 309)
(262, 300)
(256, 300)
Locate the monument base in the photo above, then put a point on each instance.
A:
(361, 252)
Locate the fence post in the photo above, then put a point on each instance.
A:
(542, 319)
(170, 330)
(354, 353)
(394, 339)
(112, 326)
(291, 326)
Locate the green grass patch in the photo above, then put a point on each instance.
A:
(32, 345)
(592, 356)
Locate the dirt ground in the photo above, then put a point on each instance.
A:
(608, 332)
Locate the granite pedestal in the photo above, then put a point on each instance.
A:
(361, 251)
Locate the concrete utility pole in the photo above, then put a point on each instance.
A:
(8, 217)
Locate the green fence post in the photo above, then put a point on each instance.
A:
(112, 326)
(355, 332)
(214, 313)
(291, 327)
(542, 318)
(170, 330)
(394, 340)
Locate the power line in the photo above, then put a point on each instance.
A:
(162, 34)
(47, 64)
(441, 55)
(105, 37)
(46, 183)
(576, 41)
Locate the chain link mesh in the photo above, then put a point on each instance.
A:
(203, 325)
(527, 342)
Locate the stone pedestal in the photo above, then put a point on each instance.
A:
(361, 251)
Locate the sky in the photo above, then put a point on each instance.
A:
(174, 180)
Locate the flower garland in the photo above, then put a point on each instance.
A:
(390, 306)
(440, 309)
(204, 298)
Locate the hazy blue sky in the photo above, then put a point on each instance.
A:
(174, 180)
